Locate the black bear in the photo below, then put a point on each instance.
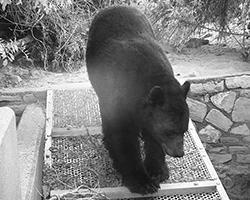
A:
(138, 96)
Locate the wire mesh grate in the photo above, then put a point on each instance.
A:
(199, 196)
(75, 108)
(83, 160)
(86, 161)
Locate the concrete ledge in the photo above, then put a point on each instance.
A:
(31, 144)
(9, 168)
(204, 79)
(65, 86)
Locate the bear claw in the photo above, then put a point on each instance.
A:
(146, 186)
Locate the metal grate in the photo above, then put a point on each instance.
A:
(190, 167)
(200, 196)
(75, 108)
(86, 161)
(83, 160)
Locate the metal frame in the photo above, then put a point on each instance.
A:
(48, 127)
(122, 192)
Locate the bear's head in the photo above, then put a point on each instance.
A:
(169, 117)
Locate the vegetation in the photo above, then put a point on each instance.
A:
(7, 51)
(59, 28)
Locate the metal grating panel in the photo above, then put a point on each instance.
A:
(86, 161)
(83, 160)
(189, 168)
(200, 196)
(75, 108)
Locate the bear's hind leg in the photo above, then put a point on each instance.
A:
(123, 147)
(155, 158)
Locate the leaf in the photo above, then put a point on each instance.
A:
(3, 54)
(14, 48)
(11, 57)
(1, 49)
(4, 4)
(19, 2)
(5, 62)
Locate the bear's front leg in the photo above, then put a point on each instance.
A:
(123, 147)
(155, 158)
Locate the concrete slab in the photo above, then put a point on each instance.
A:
(56, 86)
(31, 143)
(9, 166)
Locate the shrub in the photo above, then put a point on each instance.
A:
(176, 21)
(7, 51)
(60, 28)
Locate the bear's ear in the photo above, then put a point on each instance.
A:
(185, 88)
(156, 96)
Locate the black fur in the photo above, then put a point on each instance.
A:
(137, 94)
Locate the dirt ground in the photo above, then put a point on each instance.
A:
(206, 61)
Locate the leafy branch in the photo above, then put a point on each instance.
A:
(8, 51)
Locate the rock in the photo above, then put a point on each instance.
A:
(238, 82)
(241, 130)
(241, 110)
(217, 149)
(220, 158)
(12, 79)
(22, 72)
(35, 73)
(16, 79)
(246, 139)
(29, 98)
(18, 109)
(245, 93)
(234, 149)
(1, 75)
(6, 69)
(197, 110)
(219, 120)
(196, 42)
(206, 98)
(229, 140)
(221, 175)
(10, 69)
(224, 100)
(239, 175)
(208, 87)
(243, 158)
(228, 182)
(209, 134)
(11, 98)
(41, 95)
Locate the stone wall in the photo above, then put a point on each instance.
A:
(220, 108)
(18, 100)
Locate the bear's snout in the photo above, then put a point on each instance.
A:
(175, 151)
(178, 153)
